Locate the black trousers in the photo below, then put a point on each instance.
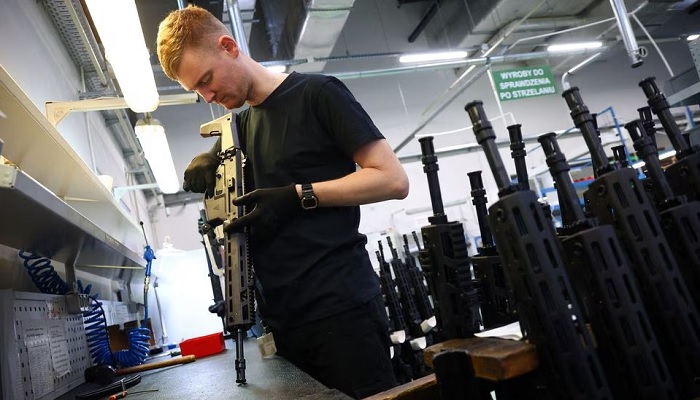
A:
(348, 351)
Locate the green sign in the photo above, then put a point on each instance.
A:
(523, 83)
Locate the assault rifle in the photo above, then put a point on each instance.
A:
(650, 130)
(616, 198)
(417, 340)
(214, 262)
(403, 284)
(420, 291)
(445, 262)
(678, 217)
(604, 283)
(497, 305)
(239, 295)
(550, 316)
(684, 174)
(517, 147)
(397, 323)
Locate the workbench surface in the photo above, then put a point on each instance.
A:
(214, 378)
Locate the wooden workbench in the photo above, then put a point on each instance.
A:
(493, 359)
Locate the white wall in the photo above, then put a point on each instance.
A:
(184, 292)
(37, 60)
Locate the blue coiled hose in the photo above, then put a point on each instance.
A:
(47, 280)
(96, 334)
(43, 273)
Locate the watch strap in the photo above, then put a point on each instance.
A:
(308, 198)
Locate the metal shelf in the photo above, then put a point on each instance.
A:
(50, 200)
(35, 219)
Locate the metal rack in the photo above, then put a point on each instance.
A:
(50, 202)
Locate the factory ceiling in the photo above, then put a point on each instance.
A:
(351, 36)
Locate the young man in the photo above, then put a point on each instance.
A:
(303, 136)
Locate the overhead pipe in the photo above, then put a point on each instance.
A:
(623, 22)
(533, 24)
(234, 17)
(424, 21)
(565, 77)
(455, 64)
(84, 39)
(654, 43)
(492, 43)
(441, 103)
(605, 32)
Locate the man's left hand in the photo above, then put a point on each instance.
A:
(273, 207)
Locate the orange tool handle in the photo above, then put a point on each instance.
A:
(155, 365)
(119, 395)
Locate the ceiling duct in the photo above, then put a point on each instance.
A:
(457, 20)
(312, 29)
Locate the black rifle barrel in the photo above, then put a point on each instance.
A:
(659, 105)
(415, 238)
(584, 121)
(430, 167)
(648, 122)
(484, 132)
(518, 153)
(647, 152)
(479, 200)
(620, 155)
(559, 168)
(383, 265)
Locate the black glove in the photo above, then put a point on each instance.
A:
(273, 208)
(200, 175)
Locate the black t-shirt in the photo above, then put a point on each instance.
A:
(307, 131)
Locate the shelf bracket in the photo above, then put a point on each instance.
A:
(120, 191)
(57, 110)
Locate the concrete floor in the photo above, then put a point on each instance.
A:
(213, 378)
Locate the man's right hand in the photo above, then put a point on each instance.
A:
(200, 175)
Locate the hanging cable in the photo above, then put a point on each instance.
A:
(139, 338)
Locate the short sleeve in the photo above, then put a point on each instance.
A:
(343, 117)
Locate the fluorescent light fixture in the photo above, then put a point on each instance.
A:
(117, 23)
(277, 68)
(574, 46)
(433, 56)
(151, 135)
(692, 37)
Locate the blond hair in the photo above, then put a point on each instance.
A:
(190, 27)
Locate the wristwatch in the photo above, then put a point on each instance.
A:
(308, 198)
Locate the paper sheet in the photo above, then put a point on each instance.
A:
(511, 331)
(59, 348)
(36, 339)
(120, 314)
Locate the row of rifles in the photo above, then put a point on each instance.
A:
(610, 299)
